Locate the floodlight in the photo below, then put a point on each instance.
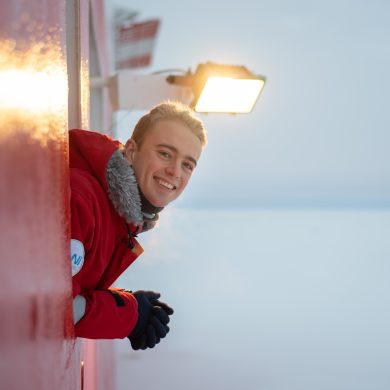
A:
(222, 88)
(212, 88)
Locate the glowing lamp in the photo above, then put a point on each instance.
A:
(222, 88)
(224, 94)
(212, 88)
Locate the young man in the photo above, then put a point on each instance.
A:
(118, 192)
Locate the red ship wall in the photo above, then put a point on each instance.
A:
(38, 348)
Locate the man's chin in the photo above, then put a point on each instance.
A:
(162, 202)
(158, 202)
(161, 199)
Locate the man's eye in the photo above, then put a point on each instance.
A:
(164, 154)
(188, 166)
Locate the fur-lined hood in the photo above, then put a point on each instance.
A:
(103, 158)
(123, 189)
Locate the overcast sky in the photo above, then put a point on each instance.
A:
(319, 134)
(278, 300)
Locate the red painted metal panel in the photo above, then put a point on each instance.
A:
(38, 349)
(105, 363)
(98, 359)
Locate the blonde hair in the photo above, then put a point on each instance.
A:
(174, 111)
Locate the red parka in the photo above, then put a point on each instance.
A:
(103, 239)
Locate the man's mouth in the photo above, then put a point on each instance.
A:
(165, 184)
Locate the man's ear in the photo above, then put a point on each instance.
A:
(130, 149)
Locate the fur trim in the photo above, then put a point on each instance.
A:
(123, 189)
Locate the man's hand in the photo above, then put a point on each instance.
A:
(145, 308)
(153, 317)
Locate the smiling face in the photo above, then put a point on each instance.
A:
(164, 162)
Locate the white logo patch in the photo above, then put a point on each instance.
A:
(76, 255)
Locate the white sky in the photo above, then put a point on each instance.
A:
(307, 289)
(319, 134)
(265, 300)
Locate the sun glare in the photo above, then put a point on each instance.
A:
(33, 80)
(33, 91)
(28, 89)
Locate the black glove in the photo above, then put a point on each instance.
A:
(150, 337)
(162, 311)
(146, 340)
(145, 308)
(156, 327)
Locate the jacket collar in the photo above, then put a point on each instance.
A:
(123, 189)
(126, 196)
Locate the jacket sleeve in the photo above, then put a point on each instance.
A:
(109, 313)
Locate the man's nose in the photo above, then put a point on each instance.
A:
(173, 170)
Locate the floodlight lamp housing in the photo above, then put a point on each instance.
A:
(222, 88)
